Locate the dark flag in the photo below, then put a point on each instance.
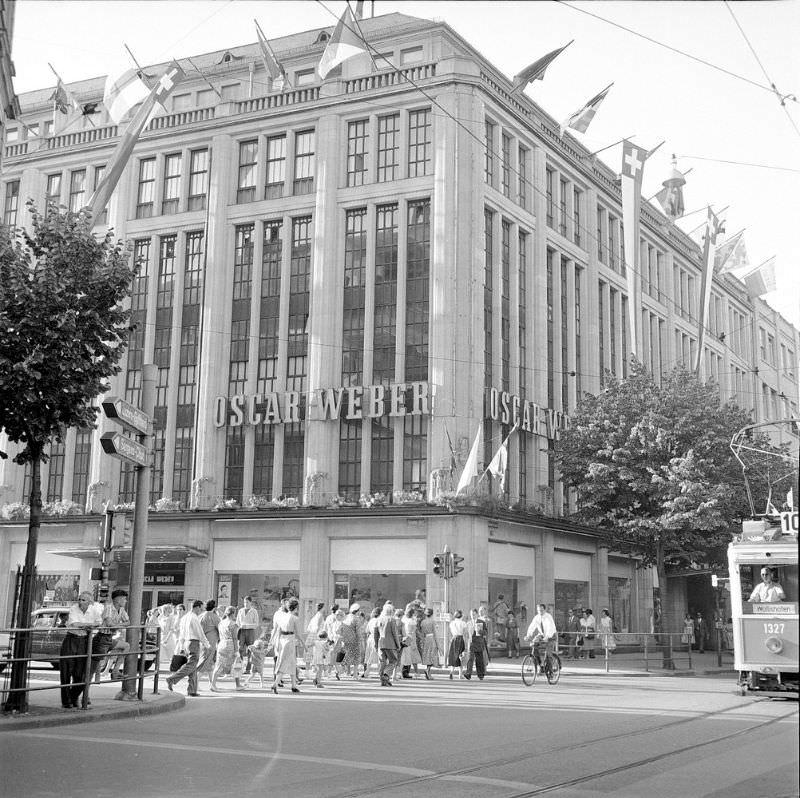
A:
(537, 69)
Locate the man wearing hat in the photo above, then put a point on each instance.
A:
(388, 644)
(573, 630)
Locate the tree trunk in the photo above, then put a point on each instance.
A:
(662, 623)
(18, 700)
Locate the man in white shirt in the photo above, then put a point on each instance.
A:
(190, 638)
(83, 616)
(248, 622)
(542, 629)
(767, 591)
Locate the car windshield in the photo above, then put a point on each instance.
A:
(42, 621)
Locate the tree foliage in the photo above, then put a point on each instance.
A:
(653, 469)
(63, 329)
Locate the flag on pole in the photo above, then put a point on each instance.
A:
(345, 43)
(537, 69)
(731, 255)
(123, 92)
(453, 461)
(762, 280)
(360, 9)
(581, 119)
(670, 198)
(714, 228)
(62, 99)
(499, 463)
(471, 466)
(158, 94)
(274, 68)
(633, 160)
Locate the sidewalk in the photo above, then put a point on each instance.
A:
(705, 664)
(45, 708)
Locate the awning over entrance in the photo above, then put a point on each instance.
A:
(123, 554)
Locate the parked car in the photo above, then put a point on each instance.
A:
(49, 629)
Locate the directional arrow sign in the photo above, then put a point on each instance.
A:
(127, 414)
(118, 445)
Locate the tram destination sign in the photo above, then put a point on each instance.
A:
(128, 415)
(118, 445)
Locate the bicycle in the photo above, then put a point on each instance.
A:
(531, 667)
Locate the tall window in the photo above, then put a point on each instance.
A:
(385, 335)
(488, 289)
(613, 305)
(77, 190)
(234, 463)
(562, 207)
(564, 310)
(182, 465)
(299, 275)
(382, 458)
(163, 327)
(304, 162)
(523, 311)
(600, 238)
(417, 278)
(522, 170)
(355, 256)
(146, 191)
(415, 444)
(357, 133)
(578, 360)
(11, 203)
(52, 194)
(55, 473)
(99, 173)
(505, 304)
(506, 173)
(388, 147)
(80, 465)
(276, 167)
(248, 156)
(272, 248)
(263, 460)
(419, 142)
(198, 179)
(601, 338)
(293, 459)
(488, 153)
(550, 188)
(577, 197)
(240, 308)
(350, 458)
(172, 184)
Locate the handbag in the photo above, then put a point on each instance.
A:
(340, 655)
(177, 662)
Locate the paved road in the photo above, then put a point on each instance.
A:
(631, 737)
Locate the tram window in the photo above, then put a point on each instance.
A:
(769, 583)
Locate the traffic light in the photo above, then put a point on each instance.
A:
(108, 531)
(439, 566)
(457, 567)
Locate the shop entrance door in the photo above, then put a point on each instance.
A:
(155, 598)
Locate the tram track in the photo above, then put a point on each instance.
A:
(509, 760)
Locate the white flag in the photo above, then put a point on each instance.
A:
(471, 466)
(123, 92)
(499, 464)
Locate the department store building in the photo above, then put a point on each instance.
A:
(339, 282)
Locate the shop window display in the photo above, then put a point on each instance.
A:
(370, 590)
(569, 594)
(265, 590)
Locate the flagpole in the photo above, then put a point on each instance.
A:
(603, 149)
(200, 72)
(657, 147)
(363, 38)
(650, 199)
(133, 58)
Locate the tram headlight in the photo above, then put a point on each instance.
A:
(774, 645)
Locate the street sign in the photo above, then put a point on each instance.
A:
(117, 445)
(128, 415)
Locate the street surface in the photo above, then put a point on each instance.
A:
(589, 735)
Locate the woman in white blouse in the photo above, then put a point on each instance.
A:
(458, 643)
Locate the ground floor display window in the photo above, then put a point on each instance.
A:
(266, 590)
(48, 590)
(619, 598)
(570, 595)
(513, 594)
(371, 590)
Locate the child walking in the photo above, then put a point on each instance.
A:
(320, 657)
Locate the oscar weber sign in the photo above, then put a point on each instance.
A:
(509, 408)
(352, 402)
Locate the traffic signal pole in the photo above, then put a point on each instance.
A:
(139, 540)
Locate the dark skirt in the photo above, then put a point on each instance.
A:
(455, 651)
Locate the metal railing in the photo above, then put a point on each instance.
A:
(90, 668)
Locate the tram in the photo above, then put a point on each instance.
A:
(762, 567)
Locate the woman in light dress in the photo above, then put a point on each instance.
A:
(458, 643)
(166, 622)
(687, 636)
(226, 648)
(315, 625)
(371, 655)
(430, 645)
(589, 633)
(285, 635)
(410, 656)
(606, 629)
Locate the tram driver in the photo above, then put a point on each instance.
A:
(768, 591)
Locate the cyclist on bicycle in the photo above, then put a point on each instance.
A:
(542, 629)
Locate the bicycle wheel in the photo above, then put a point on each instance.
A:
(529, 670)
(554, 669)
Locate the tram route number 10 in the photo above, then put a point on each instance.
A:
(789, 521)
(774, 628)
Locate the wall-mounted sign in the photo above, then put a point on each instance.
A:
(511, 409)
(329, 404)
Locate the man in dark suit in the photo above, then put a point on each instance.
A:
(388, 644)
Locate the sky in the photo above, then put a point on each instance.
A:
(742, 145)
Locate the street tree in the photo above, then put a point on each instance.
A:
(63, 330)
(653, 472)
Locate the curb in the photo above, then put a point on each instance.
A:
(164, 703)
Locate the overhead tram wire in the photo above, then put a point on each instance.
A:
(528, 182)
(670, 47)
(781, 97)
